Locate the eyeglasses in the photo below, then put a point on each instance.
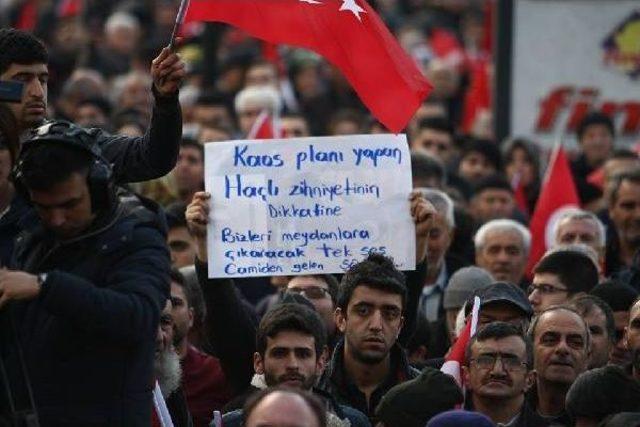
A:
(488, 361)
(311, 292)
(545, 288)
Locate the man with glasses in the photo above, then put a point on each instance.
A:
(559, 276)
(561, 347)
(498, 372)
(322, 291)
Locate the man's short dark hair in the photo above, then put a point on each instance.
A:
(376, 271)
(436, 123)
(585, 305)
(574, 269)
(497, 331)
(492, 182)
(595, 118)
(425, 167)
(617, 295)
(311, 400)
(613, 185)
(291, 318)
(192, 143)
(46, 165)
(175, 213)
(20, 47)
(332, 284)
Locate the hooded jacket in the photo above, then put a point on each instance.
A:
(88, 339)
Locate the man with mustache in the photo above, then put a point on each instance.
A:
(561, 343)
(498, 372)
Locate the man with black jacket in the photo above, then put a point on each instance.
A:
(24, 58)
(82, 302)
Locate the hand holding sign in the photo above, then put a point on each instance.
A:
(197, 215)
(422, 212)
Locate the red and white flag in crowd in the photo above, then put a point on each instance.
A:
(455, 359)
(265, 127)
(348, 33)
(519, 194)
(558, 194)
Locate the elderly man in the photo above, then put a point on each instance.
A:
(579, 226)
(561, 345)
(440, 265)
(502, 248)
(599, 318)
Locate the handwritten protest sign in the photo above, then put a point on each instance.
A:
(307, 205)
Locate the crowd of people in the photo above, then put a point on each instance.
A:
(107, 312)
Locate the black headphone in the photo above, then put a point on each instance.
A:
(100, 176)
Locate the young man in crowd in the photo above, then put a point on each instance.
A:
(94, 299)
(599, 318)
(290, 351)
(560, 275)
(632, 340)
(24, 58)
(620, 298)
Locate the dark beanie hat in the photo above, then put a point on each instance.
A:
(461, 419)
(414, 402)
(601, 392)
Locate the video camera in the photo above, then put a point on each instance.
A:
(11, 91)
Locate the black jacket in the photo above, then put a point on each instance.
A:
(88, 339)
(230, 326)
(337, 383)
(134, 159)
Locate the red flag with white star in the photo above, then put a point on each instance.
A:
(348, 33)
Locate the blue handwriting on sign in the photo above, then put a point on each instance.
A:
(236, 187)
(241, 158)
(375, 155)
(312, 155)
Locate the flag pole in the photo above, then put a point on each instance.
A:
(182, 12)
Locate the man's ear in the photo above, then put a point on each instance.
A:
(258, 363)
(341, 320)
(191, 317)
(530, 380)
(400, 326)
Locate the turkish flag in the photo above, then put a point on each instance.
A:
(264, 127)
(454, 360)
(557, 195)
(519, 194)
(348, 33)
